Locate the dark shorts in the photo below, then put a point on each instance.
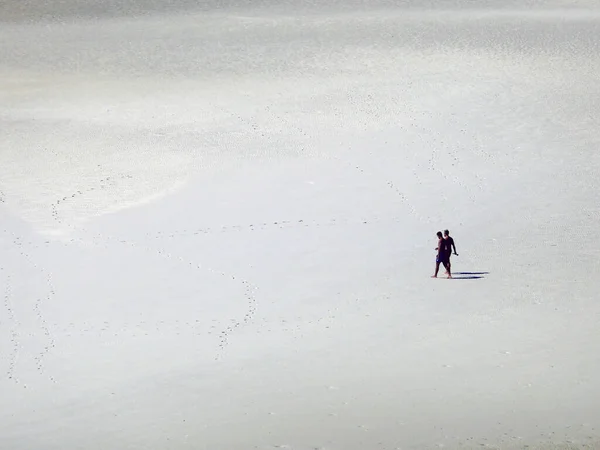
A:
(442, 258)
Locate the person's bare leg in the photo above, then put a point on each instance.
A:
(449, 271)
(437, 269)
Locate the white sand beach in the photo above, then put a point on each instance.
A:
(217, 225)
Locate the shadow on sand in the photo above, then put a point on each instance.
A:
(468, 275)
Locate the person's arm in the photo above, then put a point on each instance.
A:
(454, 246)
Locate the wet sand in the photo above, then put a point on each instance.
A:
(217, 225)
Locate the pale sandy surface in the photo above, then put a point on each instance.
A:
(217, 225)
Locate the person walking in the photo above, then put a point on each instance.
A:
(441, 256)
(449, 248)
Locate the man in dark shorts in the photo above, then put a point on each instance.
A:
(449, 246)
(442, 256)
